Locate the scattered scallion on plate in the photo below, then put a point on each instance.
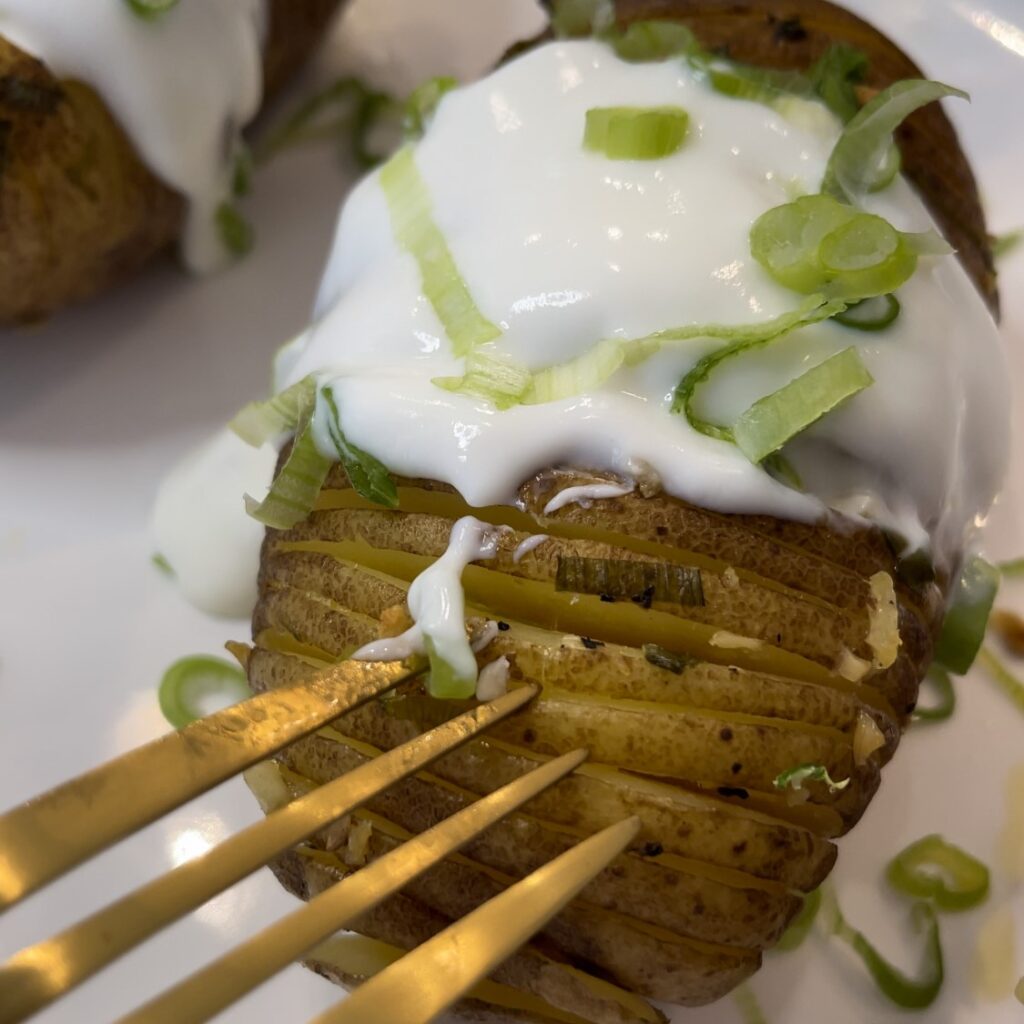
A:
(235, 231)
(799, 928)
(151, 9)
(963, 629)
(933, 869)
(939, 680)
(635, 133)
(199, 685)
(1005, 679)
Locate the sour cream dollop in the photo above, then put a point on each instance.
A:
(182, 84)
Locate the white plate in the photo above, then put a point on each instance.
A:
(95, 406)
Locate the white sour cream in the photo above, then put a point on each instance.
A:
(562, 247)
(201, 527)
(183, 85)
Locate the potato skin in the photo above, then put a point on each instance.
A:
(79, 210)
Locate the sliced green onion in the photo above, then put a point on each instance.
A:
(199, 685)
(235, 231)
(813, 310)
(1006, 680)
(800, 926)
(862, 159)
(635, 133)
(963, 629)
(444, 681)
(794, 778)
(151, 9)
(369, 476)
(653, 40)
(1018, 992)
(162, 564)
(260, 422)
(241, 175)
(874, 314)
(1002, 245)
(940, 681)
(295, 488)
(500, 380)
(927, 243)
(777, 418)
(574, 18)
(932, 869)
(748, 1005)
(422, 103)
(778, 466)
(415, 229)
(909, 993)
(746, 82)
(834, 76)
(1015, 567)
(576, 376)
(817, 244)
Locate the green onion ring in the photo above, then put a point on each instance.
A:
(933, 869)
(193, 681)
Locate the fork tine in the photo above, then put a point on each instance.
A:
(37, 976)
(216, 986)
(52, 833)
(426, 982)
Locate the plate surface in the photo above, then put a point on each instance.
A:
(98, 404)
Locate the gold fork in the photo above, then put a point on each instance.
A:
(47, 836)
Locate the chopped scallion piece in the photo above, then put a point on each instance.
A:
(748, 1005)
(1002, 245)
(574, 18)
(296, 486)
(963, 629)
(151, 9)
(794, 778)
(777, 465)
(259, 422)
(746, 82)
(800, 926)
(162, 564)
(241, 176)
(235, 231)
(1007, 681)
(653, 40)
(422, 103)
(199, 685)
(413, 223)
(909, 993)
(445, 682)
(940, 681)
(635, 133)
(777, 418)
(577, 376)
(369, 476)
(500, 380)
(932, 869)
(862, 160)
(834, 77)
(874, 314)
(813, 310)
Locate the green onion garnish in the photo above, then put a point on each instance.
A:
(834, 76)
(161, 563)
(932, 869)
(369, 476)
(445, 682)
(1002, 245)
(235, 231)
(874, 314)
(500, 380)
(652, 41)
(1015, 567)
(199, 685)
(748, 1005)
(576, 376)
(151, 9)
(1007, 681)
(863, 158)
(909, 993)
(800, 926)
(241, 175)
(782, 469)
(259, 422)
(814, 309)
(574, 18)
(794, 778)
(940, 681)
(635, 133)
(963, 629)
(746, 82)
(415, 230)
(295, 488)
(1018, 992)
(422, 103)
(817, 244)
(775, 419)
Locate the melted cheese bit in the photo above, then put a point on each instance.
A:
(183, 86)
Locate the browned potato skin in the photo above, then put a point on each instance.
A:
(79, 210)
(795, 33)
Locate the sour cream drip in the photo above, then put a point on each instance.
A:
(561, 248)
(183, 86)
(438, 606)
